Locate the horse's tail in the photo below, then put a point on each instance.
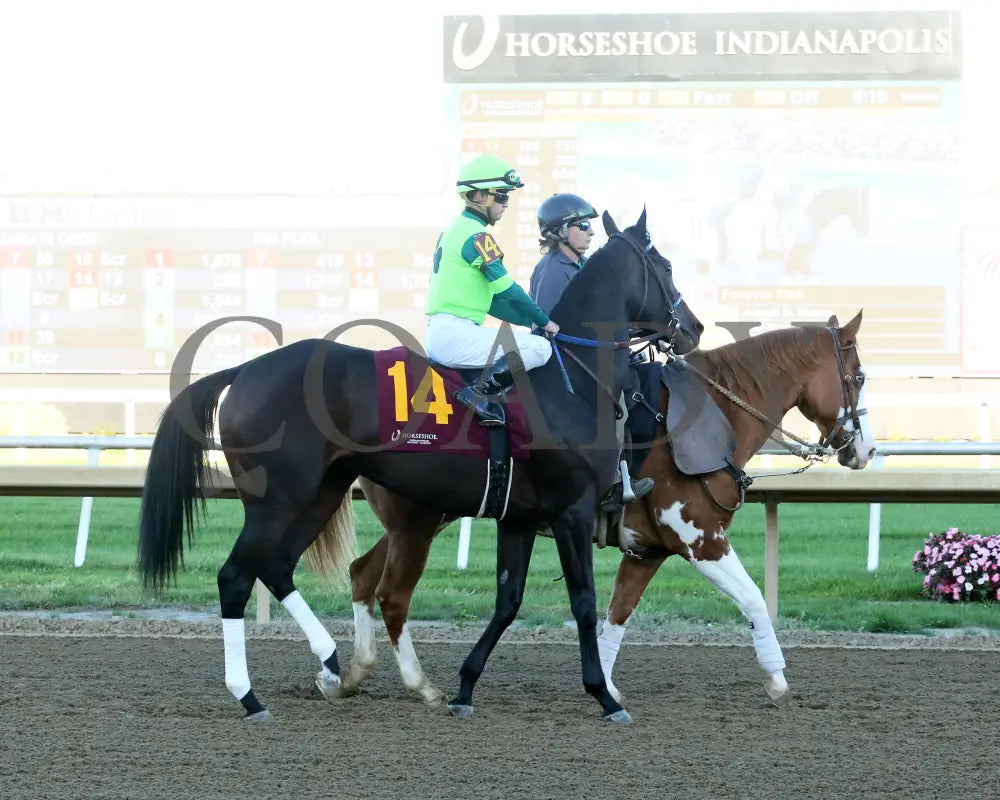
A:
(332, 552)
(175, 473)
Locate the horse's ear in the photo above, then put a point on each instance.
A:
(609, 224)
(640, 223)
(850, 331)
(833, 322)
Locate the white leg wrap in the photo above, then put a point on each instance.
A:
(769, 654)
(234, 641)
(608, 644)
(320, 640)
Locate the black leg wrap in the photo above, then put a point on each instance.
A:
(332, 664)
(251, 704)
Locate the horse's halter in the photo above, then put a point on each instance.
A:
(851, 413)
(673, 325)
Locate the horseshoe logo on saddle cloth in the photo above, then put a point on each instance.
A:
(417, 413)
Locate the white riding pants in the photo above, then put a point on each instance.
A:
(459, 342)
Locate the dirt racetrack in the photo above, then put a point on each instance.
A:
(139, 716)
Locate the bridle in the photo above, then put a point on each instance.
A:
(664, 339)
(673, 326)
(809, 451)
(851, 413)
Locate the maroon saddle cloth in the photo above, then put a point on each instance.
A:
(417, 410)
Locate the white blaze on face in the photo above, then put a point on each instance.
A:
(688, 532)
(864, 445)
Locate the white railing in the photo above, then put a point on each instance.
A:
(94, 445)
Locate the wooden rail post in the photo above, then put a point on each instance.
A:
(771, 556)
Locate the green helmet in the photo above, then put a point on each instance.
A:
(487, 172)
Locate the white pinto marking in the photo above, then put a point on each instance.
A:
(413, 675)
(629, 536)
(864, 445)
(363, 659)
(688, 532)
(320, 640)
(729, 576)
(364, 635)
(234, 641)
(608, 644)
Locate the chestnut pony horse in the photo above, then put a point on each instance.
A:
(816, 370)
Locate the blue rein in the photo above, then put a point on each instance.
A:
(565, 337)
(562, 368)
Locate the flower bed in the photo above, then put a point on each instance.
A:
(960, 566)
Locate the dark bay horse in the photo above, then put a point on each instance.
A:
(300, 424)
(816, 370)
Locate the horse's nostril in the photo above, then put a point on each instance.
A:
(871, 454)
(701, 328)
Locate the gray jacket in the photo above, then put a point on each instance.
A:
(550, 278)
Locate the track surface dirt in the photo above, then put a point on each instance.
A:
(87, 712)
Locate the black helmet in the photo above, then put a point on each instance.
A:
(560, 210)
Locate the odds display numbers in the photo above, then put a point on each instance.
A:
(128, 299)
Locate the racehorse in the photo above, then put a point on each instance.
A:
(816, 370)
(805, 226)
(786, 227)
(301, 423)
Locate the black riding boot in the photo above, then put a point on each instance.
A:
(485, 396)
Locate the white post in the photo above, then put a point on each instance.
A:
(83, 528)
(874, 523)
(464, 539)
(130, 429)
(984, 432)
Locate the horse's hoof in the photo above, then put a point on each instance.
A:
(461, 711)
(260, 716)
(329, 685)
(351, 681)
(622, 717)
(433, 697)
(778, 692)
(782, 701)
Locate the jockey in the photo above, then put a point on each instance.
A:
(566, 234)
(470, 281)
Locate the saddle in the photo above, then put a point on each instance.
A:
(701, 439)
(700, 436)
(417, 412)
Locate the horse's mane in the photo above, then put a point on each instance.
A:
(748, 367)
